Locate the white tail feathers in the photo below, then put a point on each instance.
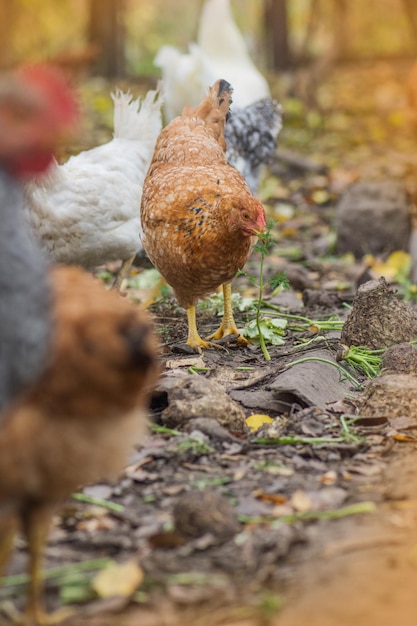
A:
(138, 119)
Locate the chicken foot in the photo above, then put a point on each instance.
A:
(194, 340)
(228, 325)
(122, 273)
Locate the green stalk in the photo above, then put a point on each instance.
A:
(364, 359)
(57, 572)
(321, 324)
(106, 504)
(293, 440)
(264, 349)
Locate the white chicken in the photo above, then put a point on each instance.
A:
(255, 118)
(86, 211)
(220, 51)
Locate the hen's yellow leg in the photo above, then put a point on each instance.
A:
(228, 325)
(194, 340)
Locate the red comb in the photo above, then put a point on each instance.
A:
(53, 86)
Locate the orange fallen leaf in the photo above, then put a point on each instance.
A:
(404, 438)
(275, 498)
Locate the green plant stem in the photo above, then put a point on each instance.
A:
(367, 361)
(193, 369)
(348, 435)
(57, 572)
(264, 349)
(321, 324)
(292, 441)
(112, 506)
(164, 430)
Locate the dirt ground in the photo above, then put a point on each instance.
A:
(315, 521)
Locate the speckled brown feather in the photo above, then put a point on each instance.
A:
(77, 424)
(190, 196)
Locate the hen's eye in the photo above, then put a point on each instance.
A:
(245, 216)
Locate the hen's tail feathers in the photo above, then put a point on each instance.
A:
(219, 98)
(140, 119)
(214, 109)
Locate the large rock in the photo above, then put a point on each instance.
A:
(373, 218)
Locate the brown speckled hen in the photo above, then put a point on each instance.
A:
(198, 215)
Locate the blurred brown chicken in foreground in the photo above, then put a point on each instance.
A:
(74, 420)
(198, 215)
(78, 423)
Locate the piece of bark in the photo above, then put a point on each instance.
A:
(373, 218)
(378, 319)
(312, 383)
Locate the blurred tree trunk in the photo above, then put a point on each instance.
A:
(341, 30)
(8, 10)
(107, 32)
(411, 10)
(277, 34)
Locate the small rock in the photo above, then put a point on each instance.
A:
(212, 429)
(197, 513)
(390, 394)
(400, 358)
(191, 396)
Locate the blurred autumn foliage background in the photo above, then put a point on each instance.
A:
(118, 37)
(340, 68)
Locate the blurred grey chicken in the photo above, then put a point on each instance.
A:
(251, 138)
(34, 116)
(24, 303)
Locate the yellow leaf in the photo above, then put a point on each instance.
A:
(398, 261)
(300, 501)
(257, 420)
(118, 579)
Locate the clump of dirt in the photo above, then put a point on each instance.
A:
(379, 318)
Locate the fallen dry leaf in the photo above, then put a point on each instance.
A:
(118, 579)
(255, 421)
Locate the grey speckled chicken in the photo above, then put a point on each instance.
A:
(251, 138)
(25, 302)
(36, 112)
